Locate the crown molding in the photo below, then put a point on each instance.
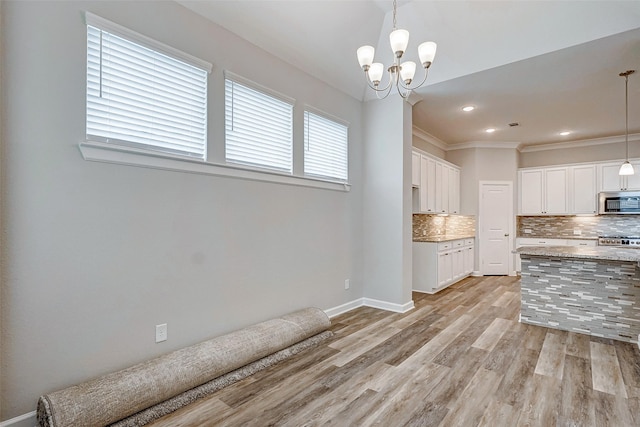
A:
(427, 137)
(579, 143)
(484, 144)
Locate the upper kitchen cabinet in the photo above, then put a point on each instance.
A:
(583, 189)
(544, 191)
(610, 180)
(439, 186)
(415, 169)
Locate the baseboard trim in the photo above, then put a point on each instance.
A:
(389, 306)
(335, 311)
(476, 273)
(25, 420)
(368, 302)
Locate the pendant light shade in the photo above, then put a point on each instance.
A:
(626, 168)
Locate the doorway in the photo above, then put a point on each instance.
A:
(495, 224)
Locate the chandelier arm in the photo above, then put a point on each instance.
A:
(426, 74)
(385, 95)
(368, 80)
(406, 93)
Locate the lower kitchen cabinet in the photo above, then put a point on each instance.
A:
(438, 265)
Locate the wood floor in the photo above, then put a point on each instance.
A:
(460, 358)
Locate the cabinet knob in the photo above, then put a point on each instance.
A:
(506, 234)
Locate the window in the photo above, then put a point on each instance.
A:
(325, 147)
(258, 127)
(141, 96)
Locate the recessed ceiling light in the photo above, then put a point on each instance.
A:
(565, 133)
(490, 130)
(468, 108)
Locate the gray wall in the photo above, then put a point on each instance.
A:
(593, 153)
(95, 255)
(387, 217)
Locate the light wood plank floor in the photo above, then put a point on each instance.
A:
(460, 358)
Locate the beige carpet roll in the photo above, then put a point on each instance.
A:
(112, 397)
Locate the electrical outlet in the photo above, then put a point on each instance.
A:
(161, 332)
(577, 232)
(347, 284)
(527, 231)
(424, 232)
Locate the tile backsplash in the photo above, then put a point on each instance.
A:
(578, 226)
(439, 225)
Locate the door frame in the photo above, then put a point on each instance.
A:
(481, 234)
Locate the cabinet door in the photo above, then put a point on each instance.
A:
(609, 178)
(415, 169)
(427, 185)
(531, 192)
(468, 260)
(454, 190)
(445, 269)
(438, 185)
(583, 192)
(555, 191)
(443, 188)
(633, 181)
(458, 264)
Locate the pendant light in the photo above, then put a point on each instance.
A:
(626, 168)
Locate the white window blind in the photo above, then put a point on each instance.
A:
(258, 128)
(141, 97)
(325, 147)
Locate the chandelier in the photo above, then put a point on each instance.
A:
(400, 74)
(626, 168)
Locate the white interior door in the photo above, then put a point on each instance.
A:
(496, 225)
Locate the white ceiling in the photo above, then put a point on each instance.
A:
(548, 65)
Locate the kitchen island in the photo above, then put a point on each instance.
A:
(591, 290)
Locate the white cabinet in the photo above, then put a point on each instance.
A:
(454, 190)
(415, 169)
(610, 180)
(438, 265)
(427, 190)
(583, 192)
(439, 184)
(544, 191)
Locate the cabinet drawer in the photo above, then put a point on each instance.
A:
(458, 243)
(469, 242)
(443, 246)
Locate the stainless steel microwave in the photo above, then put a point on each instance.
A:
(619, 202)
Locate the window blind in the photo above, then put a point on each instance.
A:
(143, 98)
(258, 128)
(325, 147)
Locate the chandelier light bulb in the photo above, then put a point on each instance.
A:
(426, 52)
(375, 73)
(399, 40)
(407, 71)
(365, 56)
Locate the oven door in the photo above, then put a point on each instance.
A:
(622, 202)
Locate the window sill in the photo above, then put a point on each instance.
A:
(108, 153)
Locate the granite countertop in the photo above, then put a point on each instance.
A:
(529, 236)
(442, 238)
(594, 252)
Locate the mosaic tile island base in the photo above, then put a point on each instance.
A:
(594, 291)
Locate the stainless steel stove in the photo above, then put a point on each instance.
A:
(619, 241)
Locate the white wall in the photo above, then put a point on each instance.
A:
(592, 153)
(95, 254)
(387, 201)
